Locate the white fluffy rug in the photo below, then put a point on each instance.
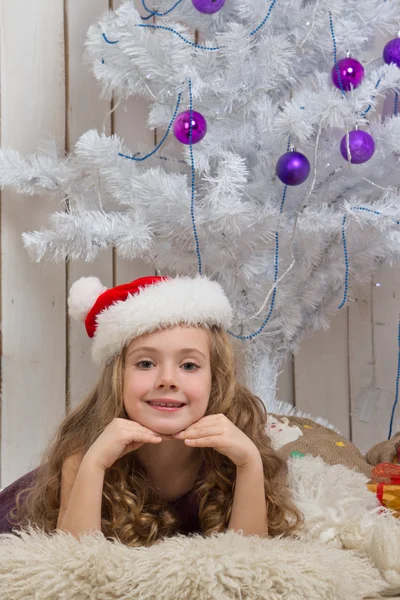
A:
(349, 549)
(223, 567)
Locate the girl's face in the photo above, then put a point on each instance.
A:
(168, 367)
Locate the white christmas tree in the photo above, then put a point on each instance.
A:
(287, 188)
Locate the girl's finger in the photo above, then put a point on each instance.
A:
(204, 442)
(141, 437)
(137, 444)
(140, 442)
(198, 432)
(145, 429)
(210, 419)
(149, 431)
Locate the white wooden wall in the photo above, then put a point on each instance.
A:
(46, 92)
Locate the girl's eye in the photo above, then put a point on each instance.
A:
(189, 366)
(144, 364)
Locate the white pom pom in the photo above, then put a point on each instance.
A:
(82, 296)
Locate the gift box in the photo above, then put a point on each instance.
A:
(385, 484)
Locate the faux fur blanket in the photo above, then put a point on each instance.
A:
(348, 549)
(223, 567)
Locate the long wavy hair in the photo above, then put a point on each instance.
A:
(132, 511)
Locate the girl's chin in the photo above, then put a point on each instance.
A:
(158, 423)
(168, 428)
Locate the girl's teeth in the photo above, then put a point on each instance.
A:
(167, 405)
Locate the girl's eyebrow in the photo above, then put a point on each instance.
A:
(152, 349)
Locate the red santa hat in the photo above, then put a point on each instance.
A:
(114, 317)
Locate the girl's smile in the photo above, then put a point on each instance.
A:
(165, 404)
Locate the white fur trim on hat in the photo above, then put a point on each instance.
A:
(82, 296)
(179, 301)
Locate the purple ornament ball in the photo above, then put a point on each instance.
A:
(391, 52)
(361, 144)
(347, 73)
(208, 7)
(181, 127)
(293, 168)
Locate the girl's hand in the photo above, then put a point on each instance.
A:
(218, 432)
(120, 437)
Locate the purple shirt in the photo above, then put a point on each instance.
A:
(186, 506)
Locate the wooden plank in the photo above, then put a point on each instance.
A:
(85, 110)
(373, 355)
(33, 295)
(385, 313)
(285, 382)
(373, 351)
(130, 123)
(322, 376)
(361, 360)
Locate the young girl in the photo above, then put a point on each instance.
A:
(168, 441)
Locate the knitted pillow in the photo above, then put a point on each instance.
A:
(297, 436)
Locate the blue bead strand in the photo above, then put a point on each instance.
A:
(370, 210)
(345, 250)
(198, 46)
(335, 53)
(276, 271)
(193, 189)
(152, 14)
(141, 158)
(346, 262)
(180, 36)
(265, 18)
(372, 99)
(397, 383)
(157, 14)
(375, 212)
(109, 41)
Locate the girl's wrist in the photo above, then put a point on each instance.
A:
(90, 463)
(252, 462)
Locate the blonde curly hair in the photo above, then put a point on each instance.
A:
(132, 511)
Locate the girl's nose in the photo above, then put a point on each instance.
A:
(166, 380)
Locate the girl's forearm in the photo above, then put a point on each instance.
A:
(249, 509)
(83, 513)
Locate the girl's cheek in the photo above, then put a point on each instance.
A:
(142, 381)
